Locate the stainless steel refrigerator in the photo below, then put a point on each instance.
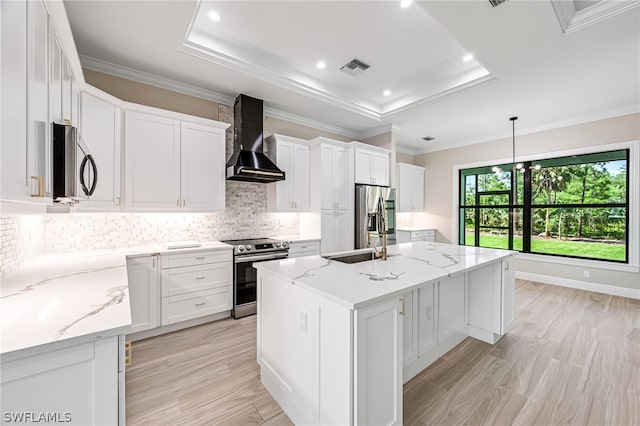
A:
(370, 202)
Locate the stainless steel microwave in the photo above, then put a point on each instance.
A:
(72, 164)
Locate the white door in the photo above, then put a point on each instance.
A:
(328, 243)
(363, 166)
(144, 283)
(451, 307)
(202, 167)
(67, 79)
(152, 162)
(425, 319)
(300, 181)
(508, 294)
(100, 130)
(343, 235)
(55, 82)
(417, 189)
(380, 169)
(410, 328)
(340, 174)
(378, 364)
(284, 196)
(327, 166)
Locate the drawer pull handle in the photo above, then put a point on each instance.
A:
(200, 278)
(200, 304)
(200, 258)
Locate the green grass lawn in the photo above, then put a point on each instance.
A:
(554, 246)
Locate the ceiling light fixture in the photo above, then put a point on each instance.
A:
(321, 65)
(405, 3)
(214, 16)
(386, 92)
(467, 57)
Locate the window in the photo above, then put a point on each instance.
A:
(575, 206)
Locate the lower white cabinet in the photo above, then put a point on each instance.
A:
(304, 248)
(406, 236)
(196, 284)
(72, 384)
(336, 231)
(419, 332)
(144, 291)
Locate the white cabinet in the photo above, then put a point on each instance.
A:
(336, 226)
(410, 188)
(335, 183)
(152, 162)
(490, 298)
(144, 292)
(196, 284)
(202, 153)
(82, 383)
(14, 182)
(291, 155)
(172, 164)
(378, 364)
(411, 235)
(451, 319)
(419, 329)
(304, 248)
(100, 130)
(38, 128)
(55, 80)
(67, 94)
(371, 164)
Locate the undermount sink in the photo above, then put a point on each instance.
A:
(352, 257)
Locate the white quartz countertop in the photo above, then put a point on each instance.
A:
(63, 296)
(357, 284)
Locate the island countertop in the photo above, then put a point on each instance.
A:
(408, 265)
(57, 297)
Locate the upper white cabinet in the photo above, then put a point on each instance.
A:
(291, 155)
(172, 163)
(371, 164)
(101, 133)
(336, 185)
(55, 80)
(410, 182)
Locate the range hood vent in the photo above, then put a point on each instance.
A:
(355, 67)
(248, 163)
(495, 3)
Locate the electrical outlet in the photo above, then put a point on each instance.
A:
(587, 274)
(302, 321)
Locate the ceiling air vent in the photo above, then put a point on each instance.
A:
(355, 67)
(428, 138)
(495, 3)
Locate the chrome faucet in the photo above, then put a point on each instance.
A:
(382, 231)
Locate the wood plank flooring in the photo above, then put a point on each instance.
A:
(572, 357)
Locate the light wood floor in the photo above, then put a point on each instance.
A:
(573, 357)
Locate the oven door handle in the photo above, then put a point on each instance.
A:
(244, 259)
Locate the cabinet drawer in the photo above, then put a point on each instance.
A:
(188, 279)
(196, 258)
(428, 233)
(197, 304)
(304, 249)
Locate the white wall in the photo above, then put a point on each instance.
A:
(441, 188)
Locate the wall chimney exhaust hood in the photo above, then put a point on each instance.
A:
(248, 163)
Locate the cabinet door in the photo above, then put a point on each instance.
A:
(451, 321)
(410, 328)
(38, 128)
(404, 192)
(340, 174)
(417, 189)
(380, 169)
(327, 166)
(144, 284)
(202, 167)
(100, 129)
(14, 181)
(152, 162)
(328, 242)
(55, 81)
(343, 234)
(483, 297)
(284, 196)
(378, 364)
(363, 166)
(508, 294)
(67, 95)
(300, 181)
(425, 319)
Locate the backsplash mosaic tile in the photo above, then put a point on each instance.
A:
(245, 216)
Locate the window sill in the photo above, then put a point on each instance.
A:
(585, 263)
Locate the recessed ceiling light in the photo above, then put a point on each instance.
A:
(467, 57)
(386, 92)
(405, 3)
(214, 16)
(321, 65)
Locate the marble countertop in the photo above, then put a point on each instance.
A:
(409, 265)
(63, 296)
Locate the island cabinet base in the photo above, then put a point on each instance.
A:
(76, 384)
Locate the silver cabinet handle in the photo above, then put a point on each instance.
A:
(200, 278)
(402, 306)
(200, 258)
(40, 181)
(200, 304)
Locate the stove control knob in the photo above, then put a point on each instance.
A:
(278, 244)
(285, 245)
(240, 248)
(248, 248)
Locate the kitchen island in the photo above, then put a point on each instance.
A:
(337, 341)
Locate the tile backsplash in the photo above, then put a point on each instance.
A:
(245, 216)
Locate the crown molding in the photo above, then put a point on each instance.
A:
(571, 20)
(293, 118)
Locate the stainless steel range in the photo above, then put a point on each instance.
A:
(245, 254)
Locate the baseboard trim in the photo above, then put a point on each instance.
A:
(580, 285)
